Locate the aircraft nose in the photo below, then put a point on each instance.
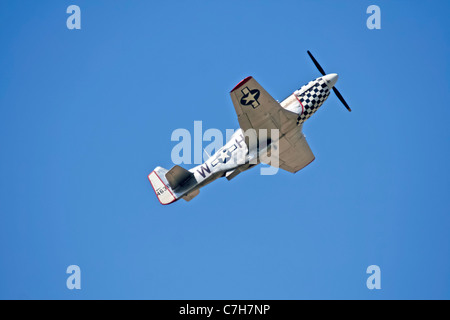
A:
(331, 79)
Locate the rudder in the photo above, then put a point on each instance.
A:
(161, 186)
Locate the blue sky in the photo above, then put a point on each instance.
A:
(87, 114)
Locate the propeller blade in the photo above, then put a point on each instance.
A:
(340, 97)
(338, 94)
(317, 64)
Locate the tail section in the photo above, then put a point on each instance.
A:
(171, 185)
(161, 186)
(178, 177)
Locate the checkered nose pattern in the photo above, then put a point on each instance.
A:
(312, 96)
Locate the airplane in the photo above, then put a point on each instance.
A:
(257, 110)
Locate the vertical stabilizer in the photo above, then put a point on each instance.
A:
(161, 186)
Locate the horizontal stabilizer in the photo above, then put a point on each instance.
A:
(191, 195)
(177, 176)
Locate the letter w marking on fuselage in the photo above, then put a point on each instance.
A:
(203, 173)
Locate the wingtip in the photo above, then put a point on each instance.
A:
(241, 83)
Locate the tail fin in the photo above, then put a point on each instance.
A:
(161, 186)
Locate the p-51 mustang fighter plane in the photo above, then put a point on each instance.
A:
(256, 109)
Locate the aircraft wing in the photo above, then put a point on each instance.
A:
(294, 151)
(257, 109)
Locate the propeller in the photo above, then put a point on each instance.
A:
(336, 91)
